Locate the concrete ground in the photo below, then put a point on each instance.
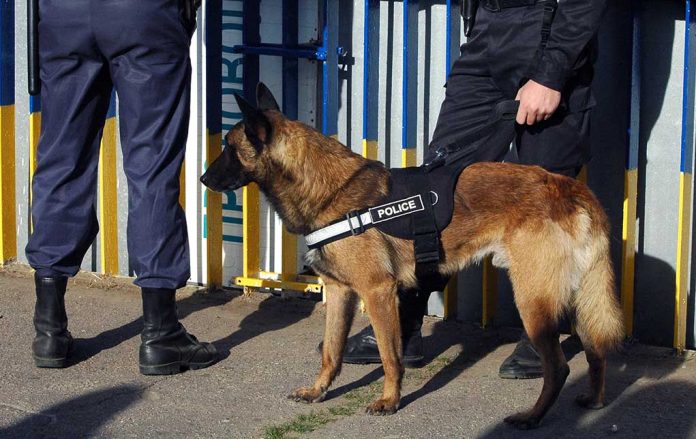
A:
(268, 344)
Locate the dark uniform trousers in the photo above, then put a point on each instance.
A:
(495, 62)
(88, 47)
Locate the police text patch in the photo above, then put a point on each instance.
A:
(396, 209)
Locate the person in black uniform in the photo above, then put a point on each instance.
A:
(140, 48)
(540, 53)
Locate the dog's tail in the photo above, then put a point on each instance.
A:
(599, 319)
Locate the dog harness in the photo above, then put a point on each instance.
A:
(421, 199)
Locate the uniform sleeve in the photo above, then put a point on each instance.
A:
(575, 24)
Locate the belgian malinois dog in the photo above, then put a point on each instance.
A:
(548, 230)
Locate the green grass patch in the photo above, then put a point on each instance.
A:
(352, 402)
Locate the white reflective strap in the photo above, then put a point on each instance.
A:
(338, 228)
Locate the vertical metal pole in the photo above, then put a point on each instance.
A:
(290, 84)
(251, 260)
(330, 69)
(8, 206)
(685, 187)
(451, 295)
(628, 253)
(410, 83)
(213, 43)
(370, 78)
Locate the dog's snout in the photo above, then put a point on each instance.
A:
(204, 179)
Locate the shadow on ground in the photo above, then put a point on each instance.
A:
(82, 416)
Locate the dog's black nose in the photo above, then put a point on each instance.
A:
(204, 179)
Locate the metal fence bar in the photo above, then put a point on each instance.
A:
(451, 295)
(251, 236)
(8, 209)
(108, 194)
(410, 83)
(290, 101)
(329, 125)
(685, 185)
(628, 251)
(213, 43)
(370, 79)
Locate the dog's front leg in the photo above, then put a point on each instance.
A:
(340, 309)
(380, 301)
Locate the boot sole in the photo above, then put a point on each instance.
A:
(411, 362)
(520, 375)
(174, 368)
(50, 363)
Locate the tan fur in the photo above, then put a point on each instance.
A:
(548, 230)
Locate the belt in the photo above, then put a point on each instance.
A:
(499, 5)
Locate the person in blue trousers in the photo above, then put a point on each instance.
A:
(86, 49)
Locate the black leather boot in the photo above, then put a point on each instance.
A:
(53, 342)
(362, 347)
(166, 346)
(523, 363)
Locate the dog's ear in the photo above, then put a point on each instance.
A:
(265, 99)
(257, 127)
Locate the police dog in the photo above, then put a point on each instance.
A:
(549, 231)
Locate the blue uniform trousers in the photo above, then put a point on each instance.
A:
(88, 47)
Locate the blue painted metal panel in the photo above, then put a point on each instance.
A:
(371, 69)
(410, 74)
(329, 125)
(34, 104)
(290, 66)
(213, 45)
(251, 36)
(634, 129)
(7, 53)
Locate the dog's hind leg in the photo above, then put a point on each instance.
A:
(340, 309)
(382, 308)
(543, 332)
(597, 369)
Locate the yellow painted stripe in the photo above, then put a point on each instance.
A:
(683, 237)
(369, 149)
(182, 186)
(108, 199)
(251, 260)
(408, 157)
(628, 251)
(490, 292)
(34, 134)
(289, 247)
(8, 206)
(214, 217)
(451, 296)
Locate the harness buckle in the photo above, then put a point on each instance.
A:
(355, 230)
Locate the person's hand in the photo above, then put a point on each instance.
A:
(537, 103)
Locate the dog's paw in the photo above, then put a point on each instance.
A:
(589, 401)
(307, 395)
(523, 421)
(382, 407)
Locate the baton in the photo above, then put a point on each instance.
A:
(468, 11)
(33, 47)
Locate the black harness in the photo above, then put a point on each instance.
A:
(421, 199)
